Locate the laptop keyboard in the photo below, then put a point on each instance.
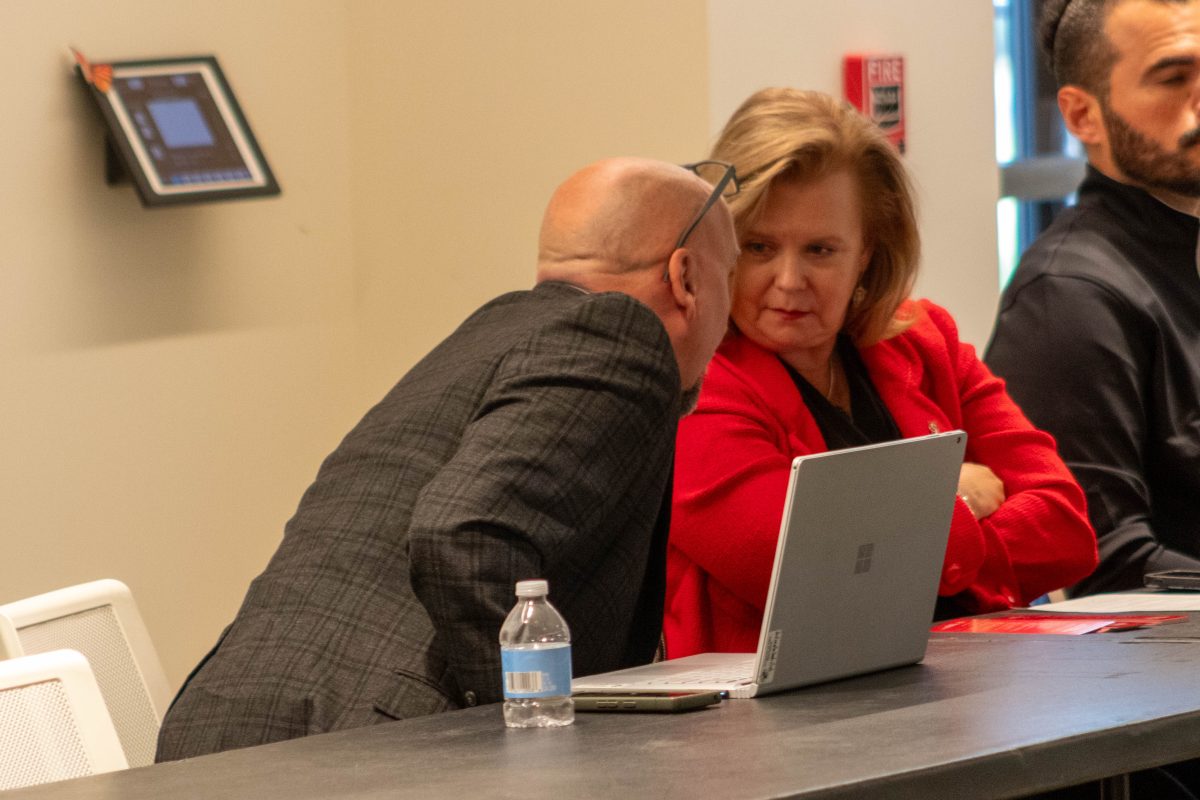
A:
(738, 673)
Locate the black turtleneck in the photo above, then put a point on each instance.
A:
(1098, 337)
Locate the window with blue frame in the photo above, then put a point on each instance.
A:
(1040, 163)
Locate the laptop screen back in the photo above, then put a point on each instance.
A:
(859, 560)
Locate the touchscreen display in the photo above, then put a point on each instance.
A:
(181, 129)
(180, 133)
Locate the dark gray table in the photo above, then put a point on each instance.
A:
(983, 717)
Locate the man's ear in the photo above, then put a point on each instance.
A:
(1082, 114)
(681, 269)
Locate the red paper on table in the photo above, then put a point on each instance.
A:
(1072, 625)
(1125, 623)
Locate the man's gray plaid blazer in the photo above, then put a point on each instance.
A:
(535, 442)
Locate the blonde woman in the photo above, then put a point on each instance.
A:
(825, 351)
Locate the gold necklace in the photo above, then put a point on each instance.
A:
(832, 378)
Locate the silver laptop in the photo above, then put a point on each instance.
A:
(855, 579)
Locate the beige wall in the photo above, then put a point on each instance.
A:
(468, 114)
(169, 379)
(948, 50)
(172, 378)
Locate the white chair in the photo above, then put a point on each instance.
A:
(54, 724)
(10, 645)
(100, 620)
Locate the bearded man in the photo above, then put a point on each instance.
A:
(1098, 334)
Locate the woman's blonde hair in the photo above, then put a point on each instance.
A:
(792, 135)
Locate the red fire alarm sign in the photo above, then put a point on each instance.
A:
(874, 84)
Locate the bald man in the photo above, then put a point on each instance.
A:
(534, 442)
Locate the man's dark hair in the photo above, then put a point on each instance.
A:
(1073, 40)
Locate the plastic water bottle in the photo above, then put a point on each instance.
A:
(535, 656)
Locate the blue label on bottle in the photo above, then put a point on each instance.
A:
(536, 672)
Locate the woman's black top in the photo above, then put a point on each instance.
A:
(869, 420)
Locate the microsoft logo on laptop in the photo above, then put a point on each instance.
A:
(863, 562)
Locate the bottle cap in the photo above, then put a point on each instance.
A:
(532, 588)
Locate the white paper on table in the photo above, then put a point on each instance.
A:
(1128, 601)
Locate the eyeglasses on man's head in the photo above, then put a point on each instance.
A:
(724, 180)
